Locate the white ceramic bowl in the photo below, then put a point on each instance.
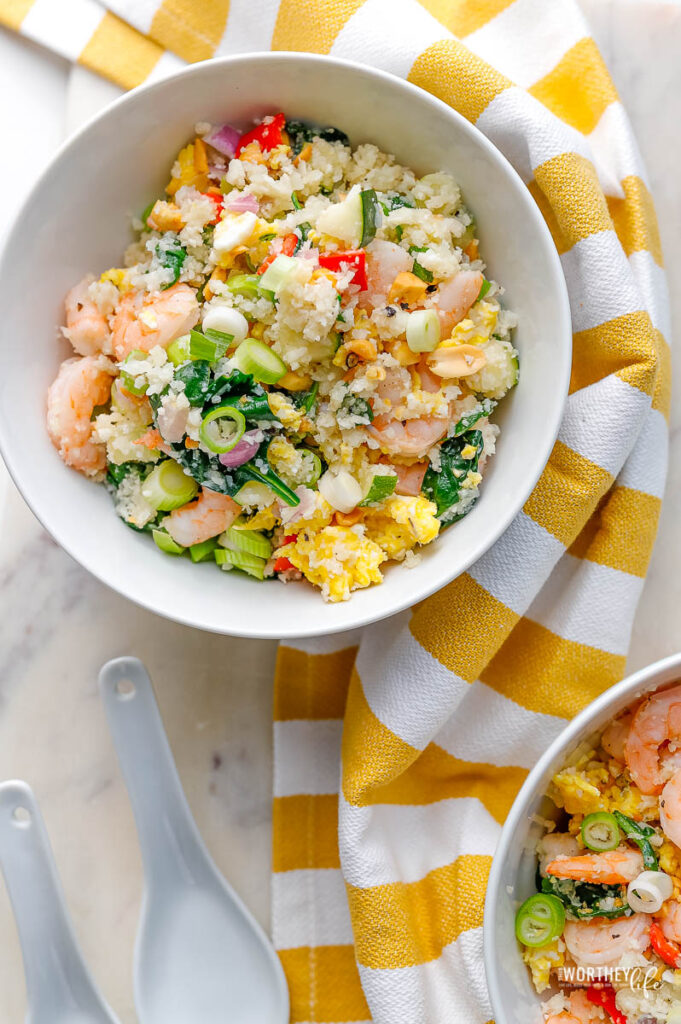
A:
(76, 219)
(512, 878)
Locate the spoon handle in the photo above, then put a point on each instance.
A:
(56, 976)
(167, 833)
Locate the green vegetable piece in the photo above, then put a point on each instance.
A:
(370, 210)
(257, 359)
(442, 486)
(305, 400)
(168, 487)
(484, 288)
(250, 541)
(468, 421)
(394, 203)
(203, 552)
(171, 259)
(584, 900)
(296, 201)
(178, 350)
(144, 215)
(211, 346)
(269, 477)
(249, 285)
(382, 486)
(127, 379)
(213, 431)
(255, 408)
(196, 378)
(358, 408)
(640, 834)
(228, 559)
(600, 831)
(165, 542)
(540, 920)
(116, 474)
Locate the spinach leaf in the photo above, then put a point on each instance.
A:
(255, 407)
(204, 467)
(442, 486)
(394, 203)
(305, 400)
(583, 900)
(171, 259)
(196, 378)
(358, 408)
(116, 474)
(258, 469)
(471, 418)
(382, 486)
(299, 133)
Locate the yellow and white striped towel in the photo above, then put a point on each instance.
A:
(380, 869)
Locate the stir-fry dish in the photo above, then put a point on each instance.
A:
(292, 374)
(604, 930)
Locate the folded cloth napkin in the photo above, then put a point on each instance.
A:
(437, 714)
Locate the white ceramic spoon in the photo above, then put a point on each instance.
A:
(200, 957)
(59, 987)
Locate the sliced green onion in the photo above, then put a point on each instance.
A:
(219, 337)
(205, 346)
(166, 543)
(144, 215)
(249, 285)
(600, 831)
(257, 359)
(382, 486)
(296, 201)
(278, 273)
(484, 288)
(539, 920)
(271, 480)
(640, 834)
(128, 379)
(423, 330)
(168, 487)
(203, 552)
(250, 541)
(212, 433)
(228, 559)
(178, 350)
(254, 493)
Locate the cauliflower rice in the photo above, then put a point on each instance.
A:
(293, 371)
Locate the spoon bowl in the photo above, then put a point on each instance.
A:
(59, 987)
(200, 954)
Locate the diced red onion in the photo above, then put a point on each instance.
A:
(224, 139)
(243, 451)
(244, 203)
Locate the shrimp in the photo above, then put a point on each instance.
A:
(156, 320)
(601, 942)
(581, 1011)
(654, 733)
(202, 519)
(410, 478)
(86, 327)
(81, 384)
(454, 298)
(616, 867)
(615, 736)
(670, 923)
(410, 437)
(554, 845)
(385, 260)
(670, 809)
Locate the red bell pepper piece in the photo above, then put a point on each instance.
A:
(217, 204)
(269, 134)
(282, 564)
(669, 951)
(356, 258)
(290, 539)
(289, 246)
(605, 997)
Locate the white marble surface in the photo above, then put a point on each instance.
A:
(59, 625)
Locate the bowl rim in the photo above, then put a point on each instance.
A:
(562, 333)
(641, 681)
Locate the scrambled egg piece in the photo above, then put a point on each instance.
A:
(337, 559)
(542, 961)
(118, 276)
(575, 792)
(264, 519)
(400, 523)
(313, 514)
(185, 170)
(476, 328)
(284, 409)
(295, 465)
(669, 856)
(589, 786)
